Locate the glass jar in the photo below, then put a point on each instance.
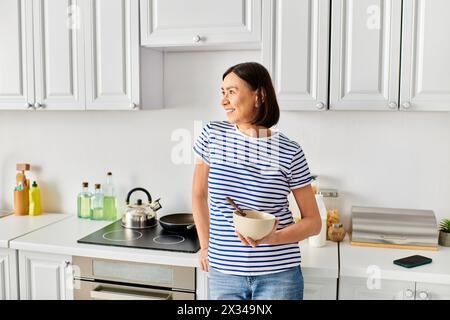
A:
(337, 232)
(331, 199)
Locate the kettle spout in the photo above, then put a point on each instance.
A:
(155, 205)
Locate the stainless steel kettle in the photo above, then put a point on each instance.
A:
(140, 215)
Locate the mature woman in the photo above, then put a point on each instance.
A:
(257, 167)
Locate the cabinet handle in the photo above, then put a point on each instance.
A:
(393, 105)
(134, 106)
(409, 293)
(105, 294)
(320, 105)
(406, 105)
(423, 295)
(30, 106)
(197, 39)
(38, 106)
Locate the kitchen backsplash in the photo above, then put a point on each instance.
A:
(390, 159)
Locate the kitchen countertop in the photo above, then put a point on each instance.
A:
(12, 226)
(354, 262)
(61, 238)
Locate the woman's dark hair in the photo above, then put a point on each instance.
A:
(258, 78)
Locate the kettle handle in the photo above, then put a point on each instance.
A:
(149, 197)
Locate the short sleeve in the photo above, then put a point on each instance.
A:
(201, 145)
(300, 175)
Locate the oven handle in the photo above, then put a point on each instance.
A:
(115, 295)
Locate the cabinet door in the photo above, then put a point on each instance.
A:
(4, 276)
(320, 289)
(8, 274)
(168, 23)
(45, 276)
(112, 54)
(432, 291)
(297, 54)
(59, 54)
(365, 54)
(425, 82)
(16, 55)
(363, 289)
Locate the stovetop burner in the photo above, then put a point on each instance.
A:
(122, 235)
(155, 238)
(168, 239)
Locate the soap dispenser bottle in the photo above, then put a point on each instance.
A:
(35, 200)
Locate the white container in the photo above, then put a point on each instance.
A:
(321, 239)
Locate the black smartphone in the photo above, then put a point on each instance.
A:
(412, 261)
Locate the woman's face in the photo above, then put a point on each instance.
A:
(238, 99)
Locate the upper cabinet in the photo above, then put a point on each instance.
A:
(425, 75)
(296, 52)
(381, 60)
(69, 54)
(200, 23)
(16, 55)
(112, 54)
(365, 54)
(340, 55)
(59, 56)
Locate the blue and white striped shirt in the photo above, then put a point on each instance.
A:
(258, 174)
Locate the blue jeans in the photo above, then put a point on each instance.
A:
(285, 285)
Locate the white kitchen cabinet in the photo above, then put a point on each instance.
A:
(425, 72)
(45, 276)
(112, 54)
(59, 55)
(432, 291)
(355, 288)
(16, 55)
(200, 23)
(319, 288)
(69, 55)
(296, 52)
(8, 274)
(365, 54)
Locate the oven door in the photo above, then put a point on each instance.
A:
(91, 290)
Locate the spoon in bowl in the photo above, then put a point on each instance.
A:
(239, 211)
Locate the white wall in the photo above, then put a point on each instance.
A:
(373, 158)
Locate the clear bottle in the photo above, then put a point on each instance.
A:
(84, 202)
(110, 202)
(97, 203)
(320, 239)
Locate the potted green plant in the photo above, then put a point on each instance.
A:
(444, 233)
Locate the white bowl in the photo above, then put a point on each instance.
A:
(255, 224)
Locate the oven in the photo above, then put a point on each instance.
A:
(103, 279)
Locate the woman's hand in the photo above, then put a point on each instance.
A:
(271, 238)
(203, 259)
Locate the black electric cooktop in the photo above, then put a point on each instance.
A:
(155, 238)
